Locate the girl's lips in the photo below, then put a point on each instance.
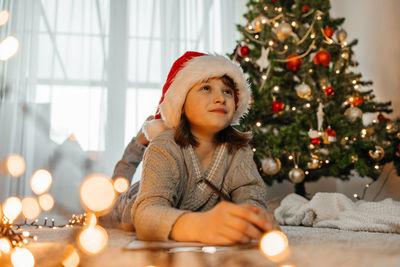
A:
(218, 110)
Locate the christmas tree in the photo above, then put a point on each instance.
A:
(308, 99)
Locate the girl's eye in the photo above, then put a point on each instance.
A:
(228, 92)
(206, 88)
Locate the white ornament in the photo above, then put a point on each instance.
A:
(320, 115)
(313, 134)
(352, 113)
(283, 31)
(296, 175)
(271, 166)
(303, 90)
(263, 62)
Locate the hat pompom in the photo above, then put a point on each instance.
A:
(153, 128)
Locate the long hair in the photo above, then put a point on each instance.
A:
(234, 138)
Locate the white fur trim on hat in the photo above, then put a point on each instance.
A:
(153, 128)
(199, 69)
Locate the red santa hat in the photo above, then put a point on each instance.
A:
(187, 70)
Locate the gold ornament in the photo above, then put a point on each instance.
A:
(271, 166)
(296, 175)
(283, 31)
(352, 113)
(256, 25)
(392, 127)
(367, 132)
(377, 154)
(303, 90)
(314, 163)
(341, 35)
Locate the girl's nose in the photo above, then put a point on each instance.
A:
(219, 98)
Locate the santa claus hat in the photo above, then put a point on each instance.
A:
(187, 70)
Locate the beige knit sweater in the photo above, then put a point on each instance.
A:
(171, 186)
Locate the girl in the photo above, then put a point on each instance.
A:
(196, 159)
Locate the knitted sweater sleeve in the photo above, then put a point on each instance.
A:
(247, 184)
(133, 155)
(154, 212)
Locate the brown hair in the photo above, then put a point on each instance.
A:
(234, 138)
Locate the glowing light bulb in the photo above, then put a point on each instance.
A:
(4, 16)
(41, 181)
(71, 257)
(22, 257)
(5, 245)
(258, 124)
(274, 245)
(121, 185)
(276, 24)
(294, 24)
(97, 193)
(290, 157)
(15, 165)
(8, 48)
(264, 77)
(308, 105)
(93, 239)
(271, 43)
(46, 201)
(12, 208)
(254, 149)
(30, 208)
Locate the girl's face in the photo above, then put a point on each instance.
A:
(209, 106)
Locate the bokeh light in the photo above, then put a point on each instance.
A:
(97, 193)
(12, 208)
(71, 257)
(121, 184)
(15, 165)
(4, 16)
(93, 238)
(5, 245)
(8, 48)
(274, 245)
(46, 201)
(30, 208)
(41, 181)
(22, 257)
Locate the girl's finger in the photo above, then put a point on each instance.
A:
(244, 227)
(250, 216)
(233, 235)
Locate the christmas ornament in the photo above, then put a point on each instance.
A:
(322, 58)
(398, 151)
(276, 106)
(293, 62)
(367, 132)
(329, 91)
(314, 163)
(271, 166)
(244, 51)
(296, 175)
(314, 137)
(355, 100)
(303, 90)
(257, 24)
(382, 118)
(305, 8)
(283, 31)
(329, 136)
(352, 113)
(341, 35)
(377, 154)
(328, 31)
(263, 62)
(392, 127)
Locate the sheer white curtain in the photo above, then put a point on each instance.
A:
(88, 73)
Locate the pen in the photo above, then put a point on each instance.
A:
(216, 191)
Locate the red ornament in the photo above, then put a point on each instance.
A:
(329, 91)
(244, 51)
(329, 136)
(293, 62)
(398, 150)
(273, 1)
(315, 141)
(328, 31)
(305, 8)
(277, 106)
(322, 57)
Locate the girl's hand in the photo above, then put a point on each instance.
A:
(225, 224)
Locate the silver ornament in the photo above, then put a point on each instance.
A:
(283, 31)
(296, 175)
(352, 113)
(303, 90)
(341, 35)
(377, 154)
(314, 163)
(271, 166)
